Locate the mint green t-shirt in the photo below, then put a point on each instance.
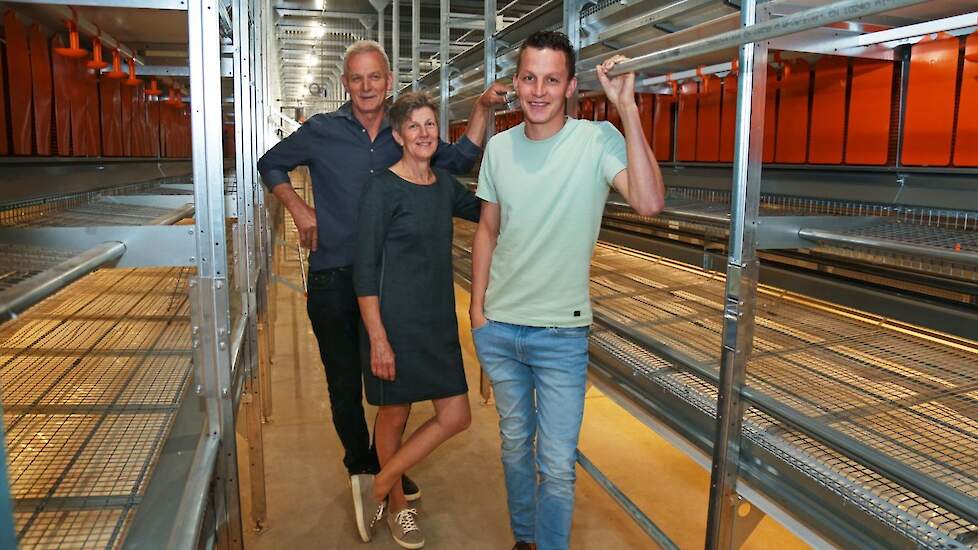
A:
(551, 194)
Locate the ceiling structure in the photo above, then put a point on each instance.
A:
(313, 34)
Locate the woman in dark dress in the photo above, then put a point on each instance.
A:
(403, 280)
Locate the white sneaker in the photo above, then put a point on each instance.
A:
(365, 508)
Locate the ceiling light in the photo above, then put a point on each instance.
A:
(318, 32)
(312, 60)
(309, 77)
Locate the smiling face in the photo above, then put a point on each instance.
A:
(418, 135)
(367, 78)
(543, 85)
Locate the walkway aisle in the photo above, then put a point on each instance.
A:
(309, 504)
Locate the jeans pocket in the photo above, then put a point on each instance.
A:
(485, 325)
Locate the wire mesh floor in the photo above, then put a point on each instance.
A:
(91, 381)
(906, 392)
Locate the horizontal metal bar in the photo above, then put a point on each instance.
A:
(83, 408)
(23, 295)
(227, 68)
(155, 201)
(643, 521)
(646, 20)
(76, 503)
(803, 20)
(145, 245)
(148, 4)
(784, 232)
(827, 236)
(184, 212)
(190, 513)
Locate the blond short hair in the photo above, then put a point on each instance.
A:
(364, 46)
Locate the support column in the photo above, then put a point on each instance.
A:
(415, 43)
(396, 45)
(489, 66)
(572, 28)
(209, 288)
(443, 54)
(741, 287)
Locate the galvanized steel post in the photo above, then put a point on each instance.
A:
(445, 35)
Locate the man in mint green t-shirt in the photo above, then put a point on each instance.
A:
(545, 183)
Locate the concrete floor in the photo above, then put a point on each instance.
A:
(463, 504)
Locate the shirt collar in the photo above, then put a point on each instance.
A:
(346, 111)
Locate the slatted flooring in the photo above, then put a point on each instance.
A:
(91, 381)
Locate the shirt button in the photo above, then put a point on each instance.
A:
(371, 149)
(371, 171)
(363, 129)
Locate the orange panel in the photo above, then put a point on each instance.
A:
(4, 145)
(154, 133)
(63, 70)
(645, 111)
(19, 82)
(110, 93)
(966, 142)
(600, 108)
(585, 109)
(829, 110)
(128, 95)
(728, 118)
(929, 118)
(85, 114)
(686, 121)
(868, 131)
(792, 142)
(770, 115)
(43, 92)
(708, 124)
(662, 128)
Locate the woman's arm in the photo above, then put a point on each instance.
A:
(374, 220)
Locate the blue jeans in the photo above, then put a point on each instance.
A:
(538, 377)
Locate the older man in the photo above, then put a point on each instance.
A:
(342, 149)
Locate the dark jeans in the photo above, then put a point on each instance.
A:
(335, 317)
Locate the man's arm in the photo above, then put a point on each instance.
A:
(458, 158)
(641, 181)
(483, 246)
(275, 166)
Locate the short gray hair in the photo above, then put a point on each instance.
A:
(408, 103)
(364, 46)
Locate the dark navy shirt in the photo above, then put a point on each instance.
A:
(341, 157)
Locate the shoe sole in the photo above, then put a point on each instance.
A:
(412, 497)
(358, 509)
(409, 545)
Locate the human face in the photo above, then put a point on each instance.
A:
(367, 78)
(418, 135)
(543, 86)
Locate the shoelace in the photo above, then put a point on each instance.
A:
(405, 518)
(379, 514)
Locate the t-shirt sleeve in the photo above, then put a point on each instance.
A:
(487, 187)
(614, 155)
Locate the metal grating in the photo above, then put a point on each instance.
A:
(95, 213)
(20, 262)
(909, 394)
(91, 381)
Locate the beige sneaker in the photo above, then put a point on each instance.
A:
(404, 528)
(368, 511)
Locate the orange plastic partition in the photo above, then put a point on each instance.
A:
(645, 108)
(600, 108)
(929, 119)
(868, 130)
(966, 141)
(63, 71)
(154, 135)
(19, 84)
(85, 113)
(4, 146)
(828, 110)
(770, 115)
(42, 90)
(585, 109)
(128, 96)
(111, 115)
(614, 117)
(792, 142)
(708, 124)
(662, 128)
(686, 121)
(728, 117)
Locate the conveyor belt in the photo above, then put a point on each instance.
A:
(907, 393)
(91, 381)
